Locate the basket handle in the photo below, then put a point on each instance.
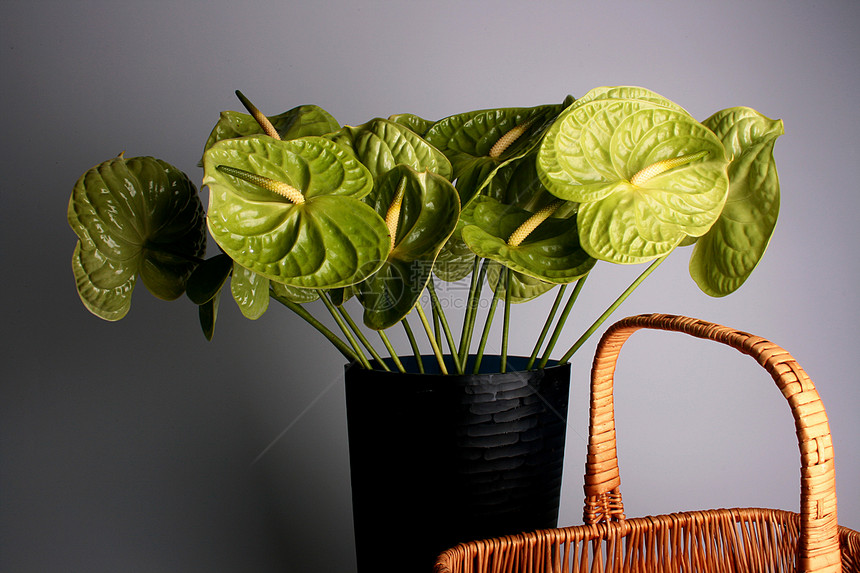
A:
(818, 546)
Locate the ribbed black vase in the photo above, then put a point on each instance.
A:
(436, 460)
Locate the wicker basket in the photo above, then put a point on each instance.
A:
(723, 540)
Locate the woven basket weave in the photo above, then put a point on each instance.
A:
(722, 540)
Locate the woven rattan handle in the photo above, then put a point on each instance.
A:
(818, 548)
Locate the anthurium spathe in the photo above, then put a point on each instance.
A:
(300, 121)
(421, 210)
(534, 244)
(646, 174)
(290, 210)
(726, 256)
(134, 217)
(381, 145)
(479, 142)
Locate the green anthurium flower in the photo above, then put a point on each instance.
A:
(138, 216)
(523, 287)
(417, 124)
(478, 142)
(301, 121)
(534, 244)
(645, 173)
(421, 210)
(381, 144)
(514, 183)
(724, 257)
(290, 210)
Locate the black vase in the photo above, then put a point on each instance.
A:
(436, 460)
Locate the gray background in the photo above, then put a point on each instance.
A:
(131, 446)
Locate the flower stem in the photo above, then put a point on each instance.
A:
(345, 329)
(391, 351)
(651, 268)
(496, 295)
(507, 321)
(414, 343)
(472, 310)
(559, 326)
(429, 330)
(362, 338)
(437, 308)
(344, 348)
(546, 326)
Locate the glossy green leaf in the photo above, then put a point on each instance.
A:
(138, 216)
(726, 256)
(381, 144)
(104, 286)
(330, 240)
(597, 154)
(517, 183)
(208, 278)
(250, 291)
(455, 260)
(301, 121)
(550, 253)
(523, 287)
(428, 214)
(468, 139)
(294, 294)
(417, 124)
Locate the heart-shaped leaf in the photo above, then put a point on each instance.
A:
(455, 261)
(208, 278)
(428, 212)
(138, 216)
(301, 121)
(514, 183)
(250, 291)
(550, 253)
(329, 239)
(645, 173)
(725, 257)
(523, 287)
(417, 124)
(478, 142)
(381, 144)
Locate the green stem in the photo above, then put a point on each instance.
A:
(343, 347)
(414, 343)
(437, 324)
(546, 326)
(437, 307)
(486, 334)
(362, 338)
(507, 320)
(651, 268)
(472, 311)
(391, 351)
(345, 329)
(429, 330)
(472, 286)
(559, 326)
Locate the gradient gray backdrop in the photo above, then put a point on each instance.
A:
(131, 446)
